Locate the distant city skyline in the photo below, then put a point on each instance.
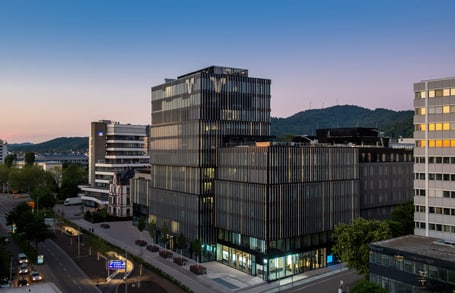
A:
(65, 64)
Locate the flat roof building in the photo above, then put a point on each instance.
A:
(434, 152)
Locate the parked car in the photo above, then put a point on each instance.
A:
(22, 258)
(22, 282)
(35, 276)
(23, 269)
(4, 282)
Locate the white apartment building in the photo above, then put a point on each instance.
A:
(114, 148)
(434, 153)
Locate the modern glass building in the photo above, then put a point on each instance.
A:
(277, 206)
(192, 117)
(434, 166)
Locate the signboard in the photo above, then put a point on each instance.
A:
(116, 265)
(40, 259)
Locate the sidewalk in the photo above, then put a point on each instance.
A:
(219, 277)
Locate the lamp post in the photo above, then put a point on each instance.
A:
(126, 270)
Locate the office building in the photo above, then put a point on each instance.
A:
(277, 206)
(413, 264)
(192, 116)
(262, 207)
(434, 152)
(113, 149)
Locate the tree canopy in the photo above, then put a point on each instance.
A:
(402, 220)
(30, 226)
(351, 241)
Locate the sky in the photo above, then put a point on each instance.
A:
(66, 63)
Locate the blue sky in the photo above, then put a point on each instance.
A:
(66, 63)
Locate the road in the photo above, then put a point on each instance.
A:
(58, 267)
(329, 284)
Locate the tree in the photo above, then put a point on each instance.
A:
(141, 225)
(152, 229)
(29, 226)
(9, 159)
(4, 173)
(29, 159)
(402, 220)
(20, 216)
(72, 176)
(44, 198)
(37, 231)
(351, 241)
(365, 286)
(181, 242)
(196, 248)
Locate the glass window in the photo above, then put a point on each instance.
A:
(431, 143)
(452, 91)
(446, 126)
(446, 109)
(439, 143)
(431, 94)
(438, 93)
(438, 126)
(446, 92)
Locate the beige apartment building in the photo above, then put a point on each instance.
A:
(434, 158)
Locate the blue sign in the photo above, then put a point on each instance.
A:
(116, 265)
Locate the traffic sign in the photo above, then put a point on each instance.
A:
(116, 265)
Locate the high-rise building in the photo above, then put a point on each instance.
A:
(192, 116)
(266, 208)
(113, 149)
(434, 152)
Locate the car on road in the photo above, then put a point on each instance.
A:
(36, 276)
(23, 269)
(22, 282)
(22, 258)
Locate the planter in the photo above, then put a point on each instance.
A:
(198, 269)
(152, 248)
(141, 242)
(165, 254)
(181, 261)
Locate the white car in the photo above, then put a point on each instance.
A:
(35, 276)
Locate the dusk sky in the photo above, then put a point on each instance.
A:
(64, 64)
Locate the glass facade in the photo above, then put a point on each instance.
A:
(190, 117)
(277, 206)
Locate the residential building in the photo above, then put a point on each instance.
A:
(191, 117)
(3, 151)
(434, 152)
(413, 264)
(114, 148)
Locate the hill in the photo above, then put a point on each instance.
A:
(57, 145)
(391, 123)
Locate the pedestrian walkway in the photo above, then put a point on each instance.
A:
(219, 277)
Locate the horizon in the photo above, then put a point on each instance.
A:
(67, 64)
(87, 136)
